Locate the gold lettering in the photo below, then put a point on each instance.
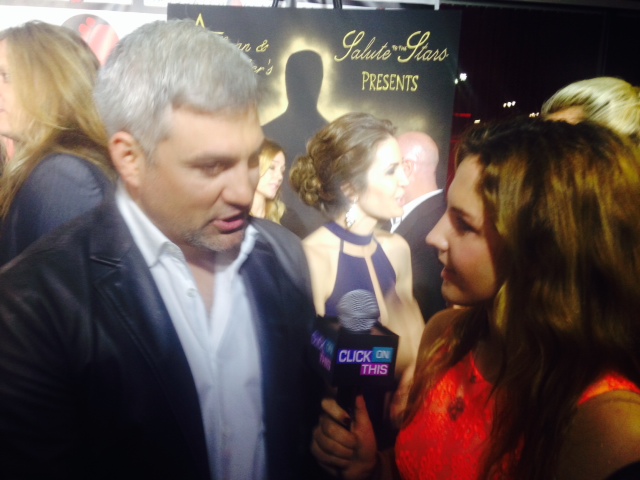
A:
(423, 39)
(369, 53)
(372, 83)
(378, 80)
(385, 82)
(349, 46)
(365, 79)
(420, 51)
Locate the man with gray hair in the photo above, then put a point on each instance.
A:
(162, 335)
(424, 203)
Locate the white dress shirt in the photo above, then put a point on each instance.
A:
(221, 346)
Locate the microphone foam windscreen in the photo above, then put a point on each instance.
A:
(358, 310)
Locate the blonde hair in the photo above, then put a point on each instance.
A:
(274, 208)
(609, 101)
(53, 72)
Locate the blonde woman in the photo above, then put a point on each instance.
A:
(266, 201)
(61, 165)
(609, 101)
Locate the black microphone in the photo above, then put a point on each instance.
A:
(354, 350)
(358, 312)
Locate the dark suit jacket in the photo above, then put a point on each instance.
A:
(58, 190)
(95, 383)
(424, 258)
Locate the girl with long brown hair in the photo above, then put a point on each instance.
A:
(537, 375)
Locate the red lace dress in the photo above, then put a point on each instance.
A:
(447, 440)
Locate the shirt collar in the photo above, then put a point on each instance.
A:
(149, 239)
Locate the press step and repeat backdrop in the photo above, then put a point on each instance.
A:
(316, 65)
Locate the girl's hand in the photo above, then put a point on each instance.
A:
(343, 446)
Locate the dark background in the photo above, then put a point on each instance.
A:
(525, 51)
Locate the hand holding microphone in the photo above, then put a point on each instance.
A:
(354, 350)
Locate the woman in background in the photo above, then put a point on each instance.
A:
(266, 201)
(609, 101)
(537, 376)
(61, 165)
(353, 173)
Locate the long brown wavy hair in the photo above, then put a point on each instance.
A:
(566, 201)
(52, 72)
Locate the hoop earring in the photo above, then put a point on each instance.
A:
(350, 216)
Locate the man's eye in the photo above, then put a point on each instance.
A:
(211, 170)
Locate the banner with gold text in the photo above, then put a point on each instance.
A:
(315, 65)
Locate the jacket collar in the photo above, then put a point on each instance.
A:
(124, 281)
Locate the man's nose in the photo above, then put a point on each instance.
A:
(240, 186)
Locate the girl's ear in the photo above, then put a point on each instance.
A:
(349, 191)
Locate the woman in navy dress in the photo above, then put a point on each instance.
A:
(353, 173)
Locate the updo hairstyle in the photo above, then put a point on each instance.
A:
(339, 155)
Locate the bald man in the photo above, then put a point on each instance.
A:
(424, 203)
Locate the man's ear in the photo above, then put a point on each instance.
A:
(408, 166)
(128, 158)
